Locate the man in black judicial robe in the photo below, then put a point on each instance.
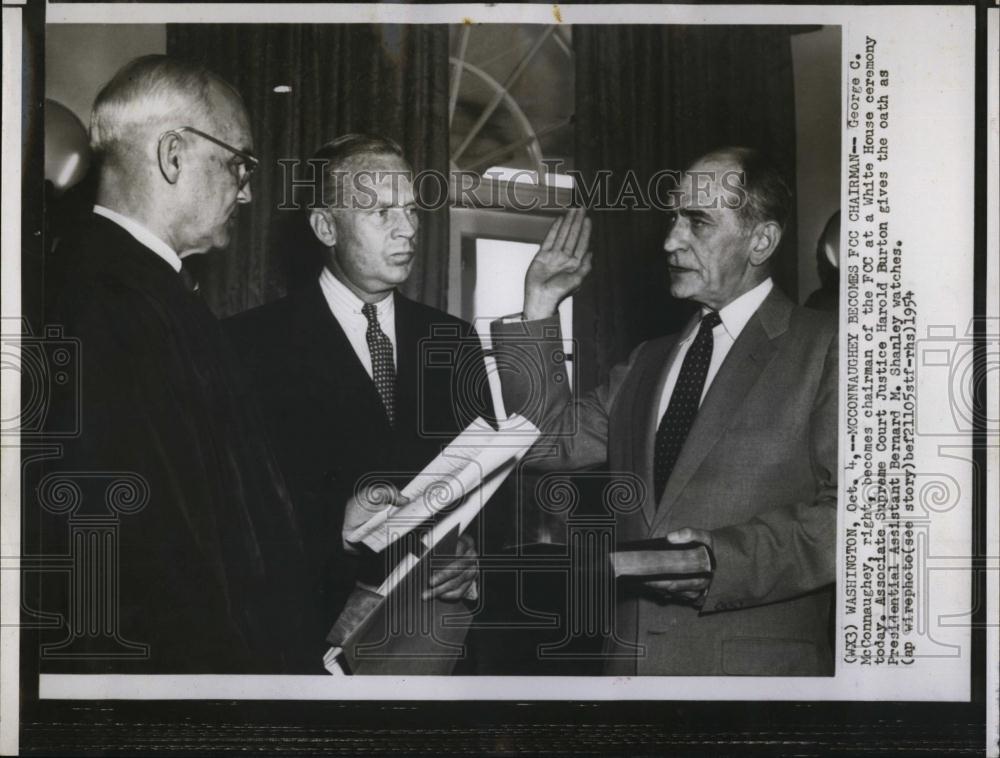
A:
(210, 568)
(312, 364)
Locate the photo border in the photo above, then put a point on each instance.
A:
(344, 726)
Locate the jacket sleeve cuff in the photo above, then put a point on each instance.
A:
(516, 327)
(531, 363)
(725, 593)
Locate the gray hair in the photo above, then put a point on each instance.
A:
(767, 193)
(151, 91)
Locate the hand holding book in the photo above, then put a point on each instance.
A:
(678, 567)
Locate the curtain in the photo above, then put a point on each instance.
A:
(386, 79)
(657, 97)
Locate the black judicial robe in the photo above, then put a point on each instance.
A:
(210, 569)
(326, 420)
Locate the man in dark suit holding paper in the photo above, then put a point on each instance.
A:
(731, 424)
(343, 368)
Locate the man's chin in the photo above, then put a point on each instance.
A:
(402, 269)
(677, 291)
(221, 241)
(683, 287)
(224, 235)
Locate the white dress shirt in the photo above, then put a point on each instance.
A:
(143, 235)
(346, 308)
(734, 317)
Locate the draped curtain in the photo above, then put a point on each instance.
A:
(657, 97)
(331, 79)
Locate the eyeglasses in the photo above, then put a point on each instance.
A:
(248, 162)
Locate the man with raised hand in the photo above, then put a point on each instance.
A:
(731, 424)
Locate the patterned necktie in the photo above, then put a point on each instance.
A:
(683, 405)
(383, 369)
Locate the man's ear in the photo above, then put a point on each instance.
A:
(168, 153)
(323, 226)
(765, 240)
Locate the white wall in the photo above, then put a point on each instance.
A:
(81, 58)
(816, 61)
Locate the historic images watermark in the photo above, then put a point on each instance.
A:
(86, 568)
(308, 185)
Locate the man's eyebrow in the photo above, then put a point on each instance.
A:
(389, 203)
(693, 213)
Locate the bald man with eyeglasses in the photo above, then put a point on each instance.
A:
(210, 568)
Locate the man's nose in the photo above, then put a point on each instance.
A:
(245, 195)
(673, 241)
(406, 224)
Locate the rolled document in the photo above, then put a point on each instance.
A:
(465, 470)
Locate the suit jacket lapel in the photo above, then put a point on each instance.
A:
(746, 359)
(644, 420)
(408, 336)
(329, 352)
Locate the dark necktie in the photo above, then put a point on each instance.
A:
(683, 405)
(188, 278)
(383, 369)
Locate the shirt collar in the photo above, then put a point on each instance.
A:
(143, 235)
(343, 297)
(736, 315)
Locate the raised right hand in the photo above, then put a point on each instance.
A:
(560, 265)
